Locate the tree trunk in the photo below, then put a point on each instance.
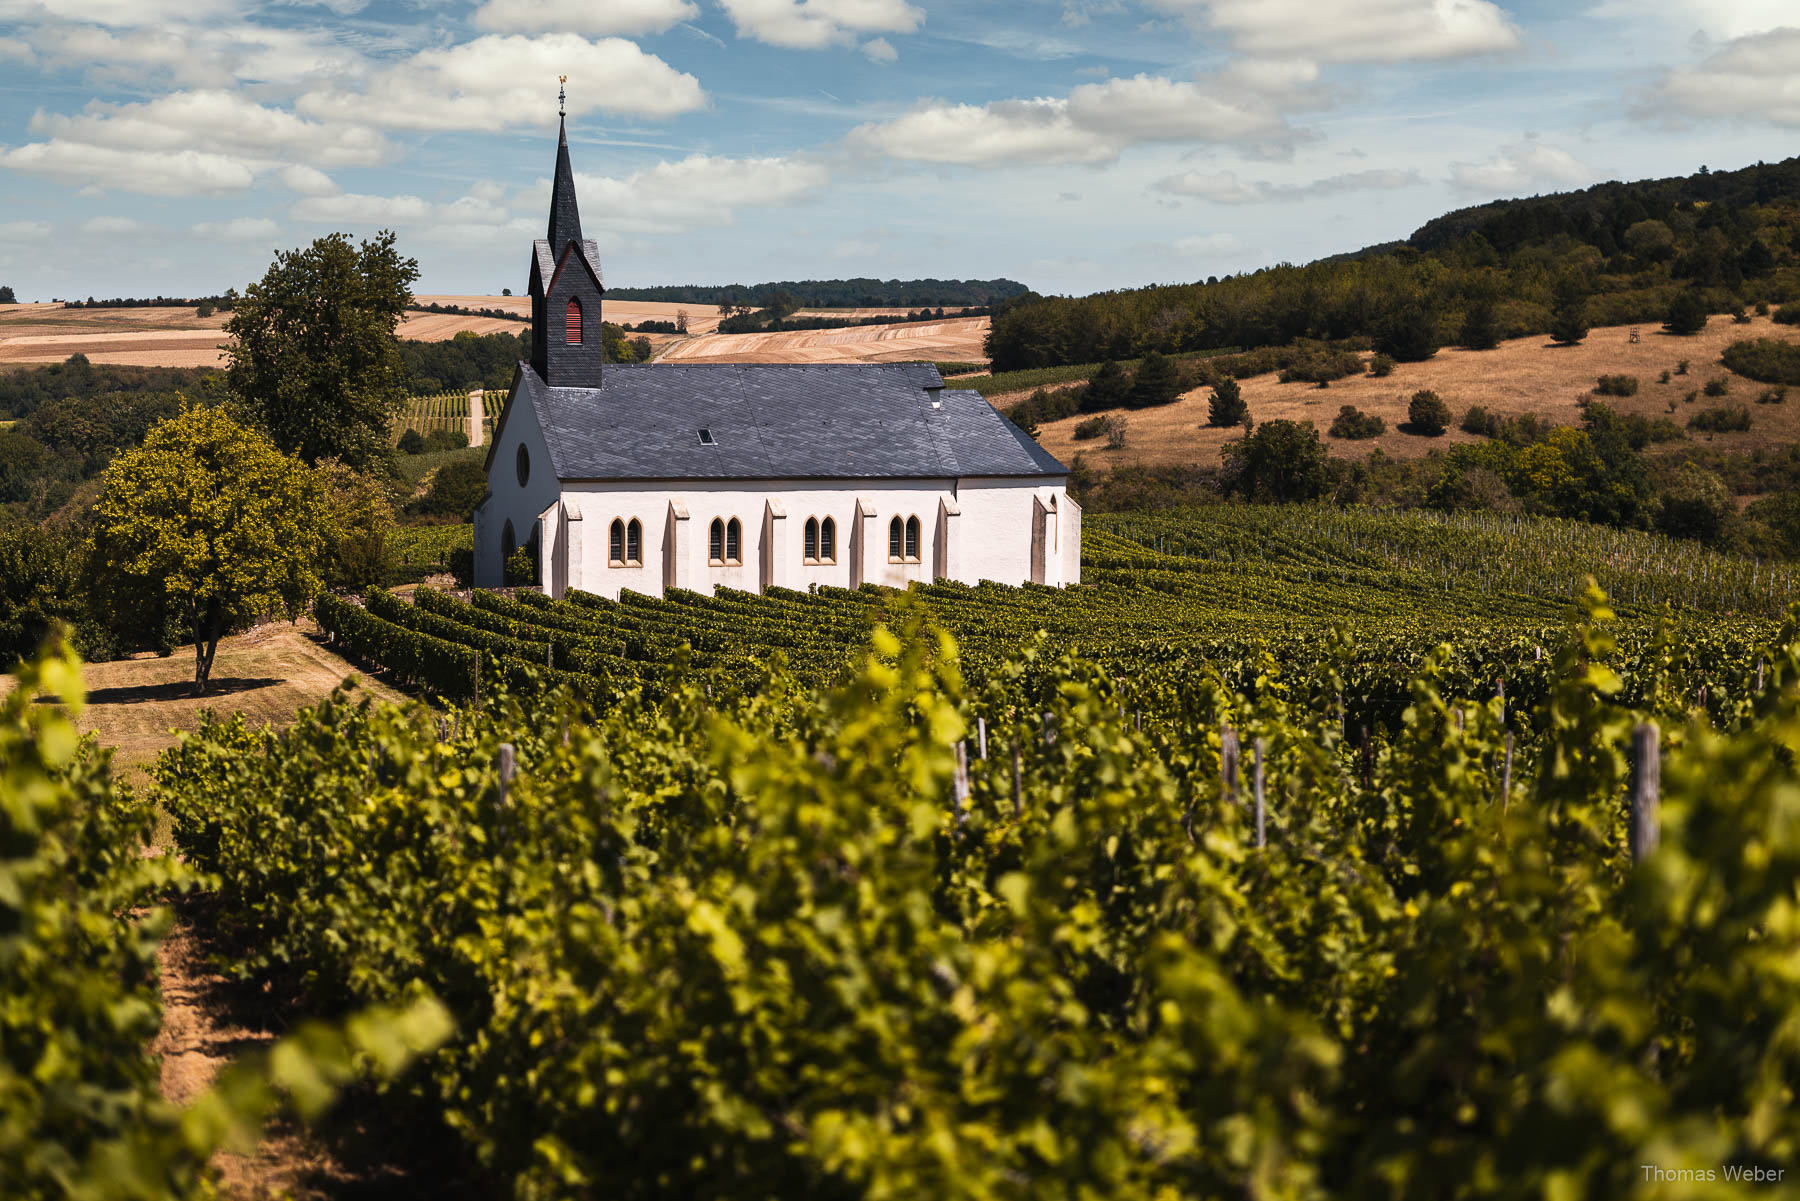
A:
(206, 645)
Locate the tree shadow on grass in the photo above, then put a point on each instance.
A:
(180, 690)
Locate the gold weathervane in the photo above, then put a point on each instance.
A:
(562, 96)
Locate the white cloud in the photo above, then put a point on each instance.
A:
(238, 229)
(213, 55)
(480, 215)
(1713, 18)
(1226, 188)
(308, 181)
(1523, 167)
(1091, 125)
(24, 231)
(698, 192)
(110, 227)
(815, 24)
(495, 82)
(1756, 77)
(1353, 30)
(583, 16)
(157, 173)
(1196, 246)
(14, 50)
(217, 122)
(118, 13)
(880, 50)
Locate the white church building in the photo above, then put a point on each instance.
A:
(649, 477)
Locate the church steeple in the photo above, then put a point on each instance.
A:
(567, 349)
(565, 217)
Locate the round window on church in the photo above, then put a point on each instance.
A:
(524, 464)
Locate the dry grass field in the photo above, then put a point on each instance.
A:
(959, 338)
(135, 705)
(174, 337)
(1526, 375)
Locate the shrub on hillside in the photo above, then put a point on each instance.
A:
(1426, 413)
(1720, 420)
(1568, 310)
(1115, 433)
(1355, 425)
(1480, 325)
(1686, 313)
(1227, 407)
(1156, 382)
(1787, 314)
(1603, 422)
(1409, 334)
(1696, 505)
(1281, 462)
(1765, 359)
(1772, 396)
(1716, 386)
(1617, 385)
(1381, 364)
(1089, 427)
(412, 442)
(438, 440)
(1318, 364)
(1481, 422)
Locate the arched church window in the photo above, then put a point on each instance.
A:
(615, 546)
(509, 542)
(715, 543)
(828, 541)
(634, 543)
(811, 551)
(734, 535)
(896, 543)
(522, 463)
(572, 322)
(912, 539)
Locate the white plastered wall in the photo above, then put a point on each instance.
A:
(507, 500)
(989, 553)
(997, 526)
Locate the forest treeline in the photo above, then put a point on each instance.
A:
(1616, 253)
(838, 293)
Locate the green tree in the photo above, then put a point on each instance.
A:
(1107, 389)
(208, 522)
(1687, 312)
(314, 358)
(6, 295)
(412, 442)
(1158, 382)
(1282, 461)
(1227, 407)
(455, 490)
(1426, 413)
(1568, 310)
(361, 514)
(1408, 334)
(1696, 505)
(1481, 324)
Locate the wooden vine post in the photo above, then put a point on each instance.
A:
(1646, 790)
(1018, 781)
(1228, 762)
(981, 730)
(1256, 786)
(506, 770)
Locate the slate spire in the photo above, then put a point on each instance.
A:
(565, 217)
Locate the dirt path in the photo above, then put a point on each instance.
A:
(477, 416)
(136, 706)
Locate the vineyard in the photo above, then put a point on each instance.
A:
(1292, 858)
(444, 411)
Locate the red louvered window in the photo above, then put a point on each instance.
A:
(572, 323)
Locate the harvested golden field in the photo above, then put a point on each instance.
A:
(959, 338)
(1525, 375)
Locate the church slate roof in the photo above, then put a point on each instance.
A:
(778, 421)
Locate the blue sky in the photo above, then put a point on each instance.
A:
(170, 146)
